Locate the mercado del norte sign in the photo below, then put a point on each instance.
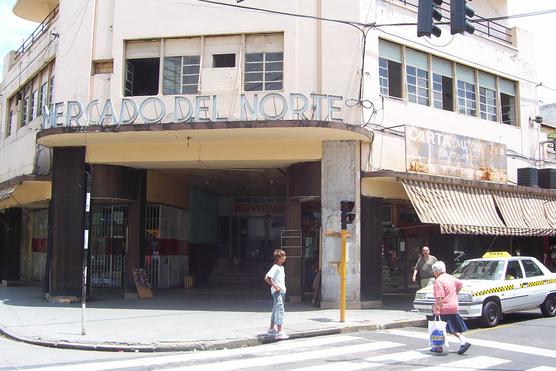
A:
(439, 153)
(207, 108)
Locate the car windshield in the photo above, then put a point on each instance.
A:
(480, 270)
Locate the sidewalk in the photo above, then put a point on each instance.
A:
(176, 320)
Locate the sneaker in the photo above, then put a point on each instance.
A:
(281, 336)
(271, 332)
(463, 348)
(436, 350)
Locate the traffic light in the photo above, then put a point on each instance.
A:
(428, 10)
(459, 14)
(347, 215)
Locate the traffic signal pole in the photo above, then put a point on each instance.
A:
(344, 234)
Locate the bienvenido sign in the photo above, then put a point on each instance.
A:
(154, 109)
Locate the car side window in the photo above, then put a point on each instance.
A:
(513, 271)
(531, 269)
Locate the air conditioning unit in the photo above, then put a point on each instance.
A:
(547, 178)
(528, 176)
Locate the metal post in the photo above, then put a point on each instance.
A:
(85, 249)
(343, 276)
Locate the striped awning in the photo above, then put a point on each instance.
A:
(457, 208)
(460, 209)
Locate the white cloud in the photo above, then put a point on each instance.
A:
(13, 30)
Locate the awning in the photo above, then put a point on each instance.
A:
(458, 209)
(550, 212)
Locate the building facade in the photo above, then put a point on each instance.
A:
(212, 133)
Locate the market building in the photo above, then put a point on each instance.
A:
(212, 134)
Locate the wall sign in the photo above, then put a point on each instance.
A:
(154, 109)
(439, 153)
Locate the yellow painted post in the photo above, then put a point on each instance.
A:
(343, 278)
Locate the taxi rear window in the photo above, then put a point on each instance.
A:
(531, 269)
(480, 270)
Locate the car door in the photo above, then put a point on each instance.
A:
(518, 296)
(533, 283)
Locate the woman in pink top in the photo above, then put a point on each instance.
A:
(446, 289)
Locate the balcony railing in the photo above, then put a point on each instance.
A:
(38, 32)
(482, 25)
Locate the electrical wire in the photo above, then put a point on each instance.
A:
(83, 12)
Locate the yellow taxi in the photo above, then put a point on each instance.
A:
(496, 284)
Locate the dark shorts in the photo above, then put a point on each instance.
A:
(454, 323)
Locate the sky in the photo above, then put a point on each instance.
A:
(14, 30)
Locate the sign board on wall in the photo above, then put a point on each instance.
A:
(439, 153)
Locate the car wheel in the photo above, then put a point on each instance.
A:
(491, 314)
(548, 307)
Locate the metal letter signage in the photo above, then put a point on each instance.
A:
(200, 108)
(439, 153)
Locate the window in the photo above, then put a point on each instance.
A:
(513, 272)
(51, 90)
(223, 60)
(467, 100)
(531, 269)
(42, 98)
(264, 63)
(33, 105)
(507, 102)
(24, 95)
(417, 67)
(390, 69)
(487, 96)
(181, 75)
(142, 67)
(442, 88)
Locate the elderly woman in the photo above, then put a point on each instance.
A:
(446, 289)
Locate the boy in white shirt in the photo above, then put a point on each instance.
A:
(276, 278)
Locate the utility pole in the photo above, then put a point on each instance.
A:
(85, 247)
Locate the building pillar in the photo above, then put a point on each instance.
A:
(340, 180)
(10, 246)
(135, 255)
(67, 221)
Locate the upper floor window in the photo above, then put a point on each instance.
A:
(467, 98)
(390, 69)
(211, 62)
(264, 63)
(443, 84)
(508, 102)
(142, 67)
(417, 70)
(487, 96)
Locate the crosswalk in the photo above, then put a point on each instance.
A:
(390, 349)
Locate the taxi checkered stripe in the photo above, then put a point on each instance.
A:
(494, 290)
(538, 283)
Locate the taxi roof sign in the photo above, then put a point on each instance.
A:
(497, 254)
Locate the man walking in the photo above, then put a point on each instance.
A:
(424, 267)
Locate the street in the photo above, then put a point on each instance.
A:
(524, 341)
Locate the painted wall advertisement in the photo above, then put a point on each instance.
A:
(439, 153)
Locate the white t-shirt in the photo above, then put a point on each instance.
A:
(278, 276)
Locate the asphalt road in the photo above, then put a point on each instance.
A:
(524, 341)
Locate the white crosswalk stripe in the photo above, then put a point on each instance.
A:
(293, 357)
(280, 347)
(468, 364)
(542, 368)
(369, 362)
(534, 351)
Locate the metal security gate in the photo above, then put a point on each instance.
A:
(108, 245)
(166, 260)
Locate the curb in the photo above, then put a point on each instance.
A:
(204, 345)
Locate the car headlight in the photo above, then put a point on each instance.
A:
(465, 298)
(420, 296)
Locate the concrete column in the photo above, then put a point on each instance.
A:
(340, 180)
(135, 255)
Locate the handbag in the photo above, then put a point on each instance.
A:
(437, 333)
